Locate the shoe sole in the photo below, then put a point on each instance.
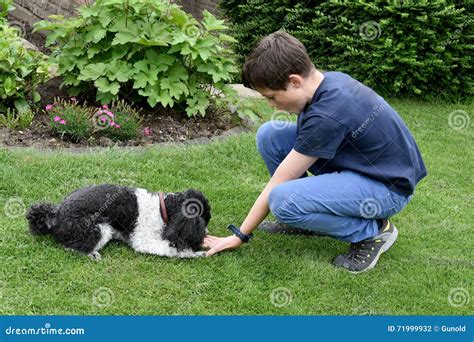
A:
(386, 246)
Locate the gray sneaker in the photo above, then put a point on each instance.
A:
(282, 228)
(363, 255)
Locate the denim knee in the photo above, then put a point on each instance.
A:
(264, 134)
(280, 202)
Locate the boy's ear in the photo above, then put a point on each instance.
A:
(296, 80)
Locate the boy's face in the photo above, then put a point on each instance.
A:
(292, 100)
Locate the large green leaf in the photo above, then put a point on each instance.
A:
(144, 73)
(119, 70)
(104, 86)
(211, 23)
(95, 34)
(129, 34)
(175, 88)
(92, 72)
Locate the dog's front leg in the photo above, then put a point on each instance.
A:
(191, 254)
(162, 248)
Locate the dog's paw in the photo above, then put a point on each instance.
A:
(94, 256)
(200, 254)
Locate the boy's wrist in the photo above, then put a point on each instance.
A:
(239, 233)
(246, 230)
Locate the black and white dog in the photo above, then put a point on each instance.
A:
(170, 224)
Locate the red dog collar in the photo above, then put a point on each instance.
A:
(164, 214)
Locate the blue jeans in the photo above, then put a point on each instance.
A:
(344, 205)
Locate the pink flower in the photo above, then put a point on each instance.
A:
(57, 118)
(112, 123)
(109, 113)
(62, 122)
(103, 119)
(105, 106)
(49, 107)
(117, 126)
(73, 99)
(147, 131)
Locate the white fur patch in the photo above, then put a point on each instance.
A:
(146, 236)
(107, 232)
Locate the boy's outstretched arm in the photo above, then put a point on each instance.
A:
(292, 167)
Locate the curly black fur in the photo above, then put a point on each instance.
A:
(41, 217)
(77, 221)
(74, 222)
(188, 215)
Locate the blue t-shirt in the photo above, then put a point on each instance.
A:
(349, 127)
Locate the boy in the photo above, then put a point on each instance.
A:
(365, 162)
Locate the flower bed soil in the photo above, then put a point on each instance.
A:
(166, 125)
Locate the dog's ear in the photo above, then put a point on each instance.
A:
(188, 216)
(183, 232)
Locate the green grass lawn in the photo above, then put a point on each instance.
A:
(429, 270)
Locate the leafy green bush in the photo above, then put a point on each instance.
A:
(410, 48)
(139, 49)
(5, 7)
(252, 20)
(21, 70)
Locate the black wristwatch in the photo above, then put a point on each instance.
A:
(239, 234)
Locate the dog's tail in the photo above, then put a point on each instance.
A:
(41, 217)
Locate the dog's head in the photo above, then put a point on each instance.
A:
(188, 216)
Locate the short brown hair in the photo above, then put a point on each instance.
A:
(273, 59)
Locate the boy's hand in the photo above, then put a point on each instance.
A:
(218, 244)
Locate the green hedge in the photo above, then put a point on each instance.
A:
(420, 48)
(253, 19)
